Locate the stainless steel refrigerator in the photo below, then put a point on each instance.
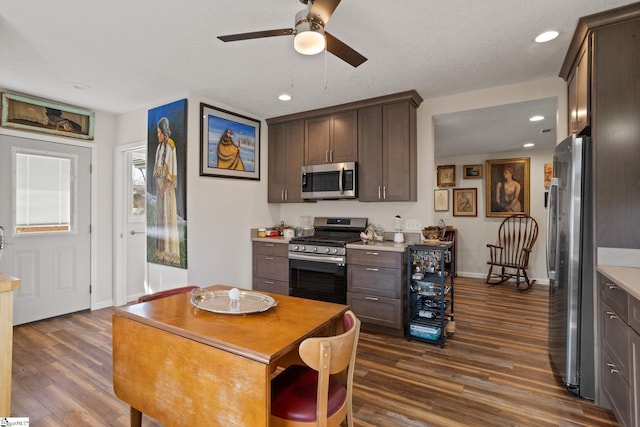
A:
(570, 266)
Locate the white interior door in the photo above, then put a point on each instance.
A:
(45, 210)
(130, 214)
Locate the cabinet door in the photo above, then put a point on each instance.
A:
(344, 137)
(294, 156)
(616, 128)
(285, 161)
(578, 95)
(370, 154)
(317, 133)
(399, 152)
(635, 378)
(277, 167)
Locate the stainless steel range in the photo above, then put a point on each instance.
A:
(318, 263)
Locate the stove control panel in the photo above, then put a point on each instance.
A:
(317, 249)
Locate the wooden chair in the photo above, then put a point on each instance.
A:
(510, 254)
(165, 293)
(318, 394)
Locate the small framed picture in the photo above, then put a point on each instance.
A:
(440, 200)
(447, 176)
(465, 202)
(472, 172)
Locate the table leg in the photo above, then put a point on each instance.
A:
(136, 417)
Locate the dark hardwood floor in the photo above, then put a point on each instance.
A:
(493, 371)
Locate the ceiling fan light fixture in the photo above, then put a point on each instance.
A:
(309, 39)
(309, 42)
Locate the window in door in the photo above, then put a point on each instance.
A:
(44, 192)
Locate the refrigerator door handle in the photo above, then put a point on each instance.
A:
(552, 228)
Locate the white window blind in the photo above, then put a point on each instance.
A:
(43, 193)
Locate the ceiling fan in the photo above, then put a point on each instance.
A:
(310, 36)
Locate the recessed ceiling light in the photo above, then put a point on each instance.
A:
(528, 145)
(284, 97)
(80, 86)
(536, 118)
(546, 36)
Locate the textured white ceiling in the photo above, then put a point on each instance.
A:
(141, 53)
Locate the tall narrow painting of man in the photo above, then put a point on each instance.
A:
(166, 185)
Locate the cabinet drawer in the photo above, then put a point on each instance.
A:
(634, 315)
(617, 391)
(272, 286)
(271, 267)
(267, 248)
(377, 310)
(379, 281)
(615, 296)
(374, 258)
(615, 339)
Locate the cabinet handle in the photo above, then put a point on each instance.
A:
(269, 282)
(372, 269)
(384, 192)
(379, 189)
(326, 156)
(286, 195)
(611, 286)
(612, 315)
(372, 253)
(282, 195)
(270, 258)
(269, 244)
(371, 298)
(331, 155)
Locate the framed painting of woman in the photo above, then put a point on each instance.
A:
(507, 187)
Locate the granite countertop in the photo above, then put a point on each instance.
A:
(628, 278)
(277, 239)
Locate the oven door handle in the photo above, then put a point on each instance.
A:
(316, 258)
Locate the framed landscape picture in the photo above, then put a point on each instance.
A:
(36, 115)
(507, 187)
(447, 176)
(465, 202)
(472, 172)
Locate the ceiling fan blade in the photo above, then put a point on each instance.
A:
(343, 51)
(323, 9)
(256, 35)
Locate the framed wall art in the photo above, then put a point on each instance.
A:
(440, 200)
(472, 172)
(166, 205)
(447, 176)
(36, 115)
(465, 202)
(507, 187)
(229, 144)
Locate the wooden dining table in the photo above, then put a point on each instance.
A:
(185, 366)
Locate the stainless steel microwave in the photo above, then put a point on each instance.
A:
(329, 181)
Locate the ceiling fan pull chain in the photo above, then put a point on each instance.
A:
(325, 66)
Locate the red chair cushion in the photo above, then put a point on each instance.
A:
(294, 394)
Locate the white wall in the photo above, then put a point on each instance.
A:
(475, 232)
(220, 211)
(471, 249)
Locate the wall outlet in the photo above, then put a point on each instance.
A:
(412, 224)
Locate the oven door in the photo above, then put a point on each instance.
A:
(322, 281)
